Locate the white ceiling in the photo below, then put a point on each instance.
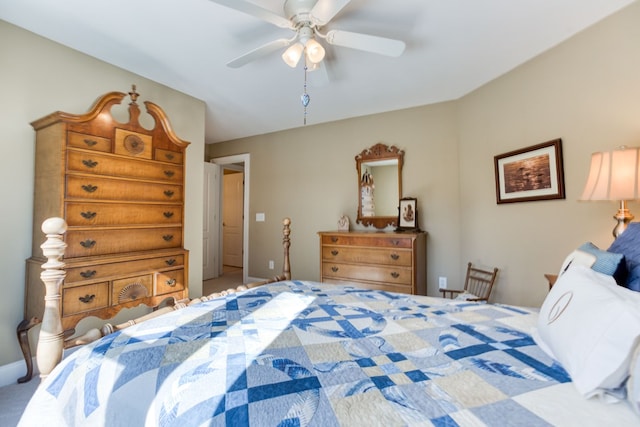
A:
(453, 47)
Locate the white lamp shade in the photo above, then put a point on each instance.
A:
(613, 175)
(292, 55)
(315, 51)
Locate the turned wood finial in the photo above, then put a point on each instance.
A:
(133, 94)
(286, 243)
(51, 339)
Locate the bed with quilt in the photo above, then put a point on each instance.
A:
(302, 353)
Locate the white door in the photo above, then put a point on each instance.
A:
(232, 221)
(211, 223)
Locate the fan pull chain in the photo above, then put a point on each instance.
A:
(305, 98)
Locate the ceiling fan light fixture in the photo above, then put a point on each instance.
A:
(315, 51)
(292, 55)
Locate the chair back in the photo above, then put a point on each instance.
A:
(479, 282)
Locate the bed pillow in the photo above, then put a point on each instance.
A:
(609, 263)
(628, 244)
(591, 326)
(633, 383)
(577, 257)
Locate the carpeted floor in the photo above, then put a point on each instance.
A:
(231, 277)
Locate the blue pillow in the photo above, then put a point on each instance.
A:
(609, 263)
(628, 244)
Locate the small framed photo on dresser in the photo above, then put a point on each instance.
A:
(408, 215)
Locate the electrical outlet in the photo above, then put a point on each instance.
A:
(271, 266)
(442, 282)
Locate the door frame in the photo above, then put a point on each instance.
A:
(226, 162)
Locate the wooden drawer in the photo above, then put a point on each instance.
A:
(367, 272)
(94, 271)
(90, 142)
(101, 214)
(131, 289)
(82, 243)
(79, 299)
(169, 281)
(373, 239)
(110, 165)
(169, 156)
(400, 257)
(97, 188)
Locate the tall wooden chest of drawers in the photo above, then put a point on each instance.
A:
(120, 188)
(394, 262)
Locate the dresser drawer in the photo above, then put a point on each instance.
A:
(367, 272)
(90, 142)
(131, 288)
(82, 243)
(373, 239)
(169, 281)
(106, 164)
(79, 299)
(100, 214)
(94, 271)
(169, 156)
(97, 188)
(400, 257)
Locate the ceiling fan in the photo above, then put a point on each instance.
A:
(306, 18)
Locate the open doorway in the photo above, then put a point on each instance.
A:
(229, 216)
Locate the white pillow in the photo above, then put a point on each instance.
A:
(466, 296)
(633, 383)
(591, 326)
(577, 257)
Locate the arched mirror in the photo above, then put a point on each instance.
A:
(379, 185)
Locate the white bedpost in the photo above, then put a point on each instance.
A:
(51, 339)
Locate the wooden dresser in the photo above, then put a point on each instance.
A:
(120, 188)
(394, 262)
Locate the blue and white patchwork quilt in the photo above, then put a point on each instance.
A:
(302, 353)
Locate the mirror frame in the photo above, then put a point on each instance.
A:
(379, 151)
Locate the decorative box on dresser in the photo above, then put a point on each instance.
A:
(390, 261)
(120, 189)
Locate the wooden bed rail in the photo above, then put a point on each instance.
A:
(51, 342)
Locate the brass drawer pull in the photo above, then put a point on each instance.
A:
(89, 188)
(167, 214)
(87, 298)
(88, 274)
(90, 163)
(90, 142)
(88, 244)
(334, 252)
(334, 269)
(395, 257)
(171, 282)
(170, 261)
(395, 275)
(88, 215)
(395, 242)
(168, 193)
(169, 174)
(334, 239)
(169, 156)
(167, 237)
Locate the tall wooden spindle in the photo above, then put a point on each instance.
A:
(51, 339)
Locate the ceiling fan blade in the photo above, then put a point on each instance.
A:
(257, 11)
(259, 52)
(375, 44)
(325, 10)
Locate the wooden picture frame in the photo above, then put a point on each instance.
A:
(531, 173)
(408, 214)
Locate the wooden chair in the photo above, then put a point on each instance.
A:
(477, 285)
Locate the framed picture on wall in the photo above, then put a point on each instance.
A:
(531, 173)
(408, 214)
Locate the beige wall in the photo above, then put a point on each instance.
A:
(585, 91)
(309, 174)
(39, 77)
